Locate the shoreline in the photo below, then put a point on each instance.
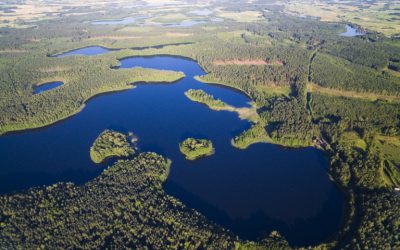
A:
(85, 102)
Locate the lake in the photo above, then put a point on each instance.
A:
(98, 50)
(130, 20)
(127, 20)
(251, 192)
(87, 51)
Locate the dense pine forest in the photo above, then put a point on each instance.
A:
(310, 86)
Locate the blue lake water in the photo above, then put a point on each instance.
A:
(98, 50)
(350, 32)
(251, 192)
(186, 23)
(141, 21)
(127, 20)
(87, 51)
(46, 87)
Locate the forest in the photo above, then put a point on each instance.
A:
(83, 79)
(139, 214)
(65, 209)
(352, 114)
(200, 96)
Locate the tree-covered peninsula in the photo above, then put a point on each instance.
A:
(125, 207)
(110, 144)
(196, 148)
(198, 95)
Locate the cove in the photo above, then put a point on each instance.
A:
(46, 87)
(250, 192)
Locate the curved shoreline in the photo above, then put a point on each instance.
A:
(57, 55)
(44, 125)
(197, 77)
(85, 102)
(131, 86)
(159, 55)
(238, 90)
(138, 48)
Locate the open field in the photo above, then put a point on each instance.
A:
(353, 94)
(242, 16)
(245, 62)
(352, 139)
(378, 15)
(389, 146)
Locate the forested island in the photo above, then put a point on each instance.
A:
(196, 148)
(110, 144)
(310, 87)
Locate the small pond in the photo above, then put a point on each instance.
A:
(87, 51)
(127, 20)
(350, 32)
(46, 87)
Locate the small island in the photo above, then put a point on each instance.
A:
(198, 95)
(196, 148)
(110, 144)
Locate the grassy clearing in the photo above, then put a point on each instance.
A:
(241, 16)
(388, 147)
(170, 18)
(375, 15)
(352, 94)
(390, 71)
(352, 139)
(241, 36)
(28, 11)
(273, 90)
(178, 34)
(246, 62)
(136, 29)
(231, 36)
